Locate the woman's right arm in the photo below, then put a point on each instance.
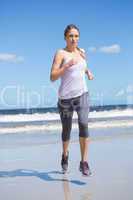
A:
(57, 70)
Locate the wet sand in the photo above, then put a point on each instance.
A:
(33, 172)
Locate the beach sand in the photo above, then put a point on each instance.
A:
(33, 172)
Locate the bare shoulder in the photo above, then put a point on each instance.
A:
(58, 58)
(82, 50)
(82, 53)
(59, 52)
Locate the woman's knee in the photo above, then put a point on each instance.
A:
(83, 130)
(66, 135)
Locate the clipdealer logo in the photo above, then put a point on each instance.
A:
(20, 96)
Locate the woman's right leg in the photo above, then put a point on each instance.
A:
(66, 114)
(66, 130)
(66, 120)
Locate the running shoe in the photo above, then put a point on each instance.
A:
(64, 162)
(84, 168)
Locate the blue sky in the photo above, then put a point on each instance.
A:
(31, 32)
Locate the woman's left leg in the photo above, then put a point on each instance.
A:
(84, 145)
(84, 140)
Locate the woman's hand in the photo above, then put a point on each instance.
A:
(70, 63)
(89, 74)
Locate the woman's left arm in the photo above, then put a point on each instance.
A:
(89, 74)
(87, 71)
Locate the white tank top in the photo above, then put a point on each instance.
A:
(73, 83)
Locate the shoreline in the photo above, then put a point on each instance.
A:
(35, 138)
(50, 127)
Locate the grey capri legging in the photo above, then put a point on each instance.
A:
(66, 107)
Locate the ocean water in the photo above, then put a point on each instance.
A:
(48, 120)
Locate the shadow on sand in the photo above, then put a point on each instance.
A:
(46, 176)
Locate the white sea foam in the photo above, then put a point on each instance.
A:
(55, 116)
(112, 113)
(57, 126)
(29, 117)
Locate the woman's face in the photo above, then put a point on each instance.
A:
(72, 37)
